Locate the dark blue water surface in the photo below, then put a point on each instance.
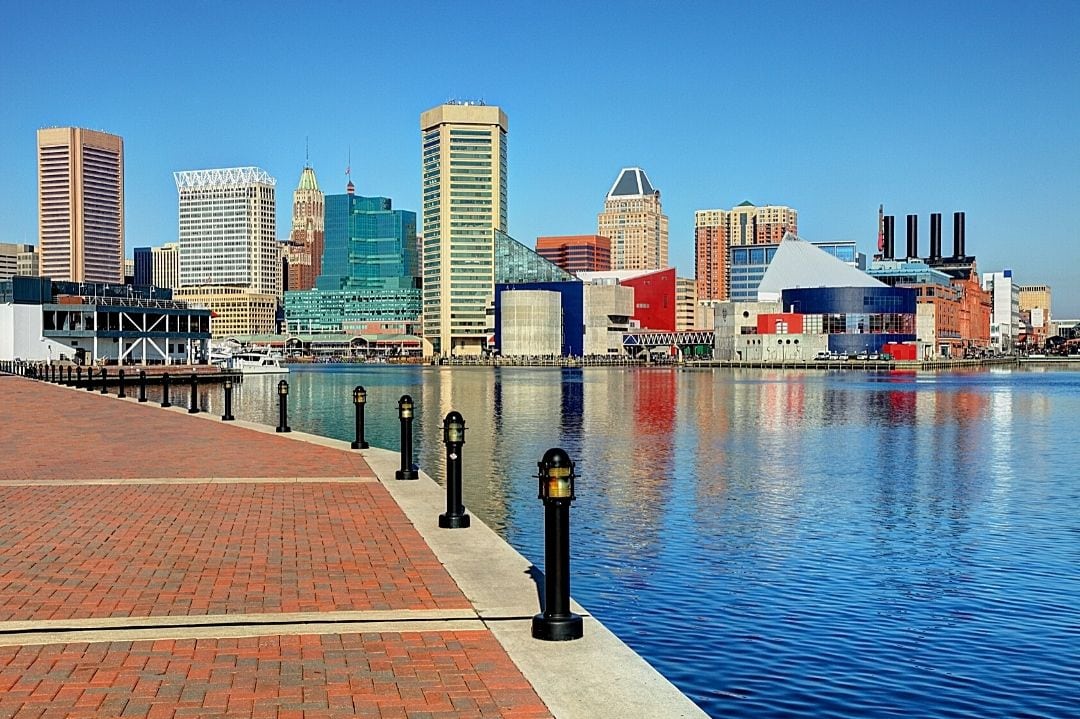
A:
(781, 544)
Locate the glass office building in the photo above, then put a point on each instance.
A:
(748, 265)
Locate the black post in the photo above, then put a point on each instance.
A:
(52, 373)
(89, 379)
(165, 390)
(142, 385)
(193, 408)
(283, 406)
(453, 437)
(359, 397)
(104, 377)
(120, 391)
(405, 414)
(228, 416)
(69, 375)
(556, 623)
(78, 377)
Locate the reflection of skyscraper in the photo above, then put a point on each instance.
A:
(81, 204)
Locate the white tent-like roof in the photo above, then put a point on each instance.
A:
(798, 263)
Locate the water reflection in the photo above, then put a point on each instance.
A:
(778, 544)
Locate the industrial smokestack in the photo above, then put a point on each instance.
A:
(958, 231)
(935, 237)
(912, 236)
(890, 238)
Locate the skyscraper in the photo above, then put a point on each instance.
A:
(716, 231)
(144, 265)
(81, 204)
(305, 247)
(165, 270)
(635, 223)
(227, 229)
(464, 196)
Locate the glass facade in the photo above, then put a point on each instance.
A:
(748, 265)
(856, 319)
(319, 310)
(514, 263)
(368, 245)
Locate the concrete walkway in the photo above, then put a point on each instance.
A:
(159, 564)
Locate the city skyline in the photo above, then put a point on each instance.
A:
(843, 108)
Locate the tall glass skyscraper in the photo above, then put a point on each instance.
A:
(464, 195)
(368, 244)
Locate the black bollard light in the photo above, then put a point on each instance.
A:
(52, 373)
(69, 375)
(142, 385)
(193, 408)
(283, 406)
(78, 376)
(89, 379)
(405, 414)
(165, 390)
(104, 377)
(453, 437)
(556, 623)
(228, 416)
(120, 390)
(359, 399)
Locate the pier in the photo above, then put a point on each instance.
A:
(158, 563)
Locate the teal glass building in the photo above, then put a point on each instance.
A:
(369, 268)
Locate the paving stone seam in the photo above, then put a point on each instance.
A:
(183, 480)
(95, 636)
(164, 621)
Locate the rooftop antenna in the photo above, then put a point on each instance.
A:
(307, 152)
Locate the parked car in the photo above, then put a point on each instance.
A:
(822, 357)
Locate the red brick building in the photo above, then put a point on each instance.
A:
(576, 253)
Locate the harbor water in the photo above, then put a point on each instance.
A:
(778, 544)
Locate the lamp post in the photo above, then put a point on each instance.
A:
(120, 391)
(283, 406)
(453, 437)
(359, 398)
(78, 376)
(165, 390)
(556, 476)
(69, 375)
(142, 385)
(90, 379)
(405, 414)
(104, 377)
(193, 408)
(228, 416)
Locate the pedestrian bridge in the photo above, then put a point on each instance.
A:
(697, 341)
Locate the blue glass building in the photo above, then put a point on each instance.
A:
(748, 265)
(856, 319)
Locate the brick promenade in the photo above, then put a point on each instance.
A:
(155, 564)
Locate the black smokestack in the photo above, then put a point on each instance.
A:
(889, 251)
(912, 235)
(935, 236)
(958, 231)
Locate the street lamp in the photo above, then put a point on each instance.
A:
(359, 398)
(405, 414)
(556, 488)
(453, 437)
(283, 406)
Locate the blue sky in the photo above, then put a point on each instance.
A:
(831, 108)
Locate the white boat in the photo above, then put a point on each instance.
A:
(253, 363)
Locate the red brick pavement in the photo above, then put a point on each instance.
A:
(51, 432)
(155, 549)
(413, 675)
(194, 549)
